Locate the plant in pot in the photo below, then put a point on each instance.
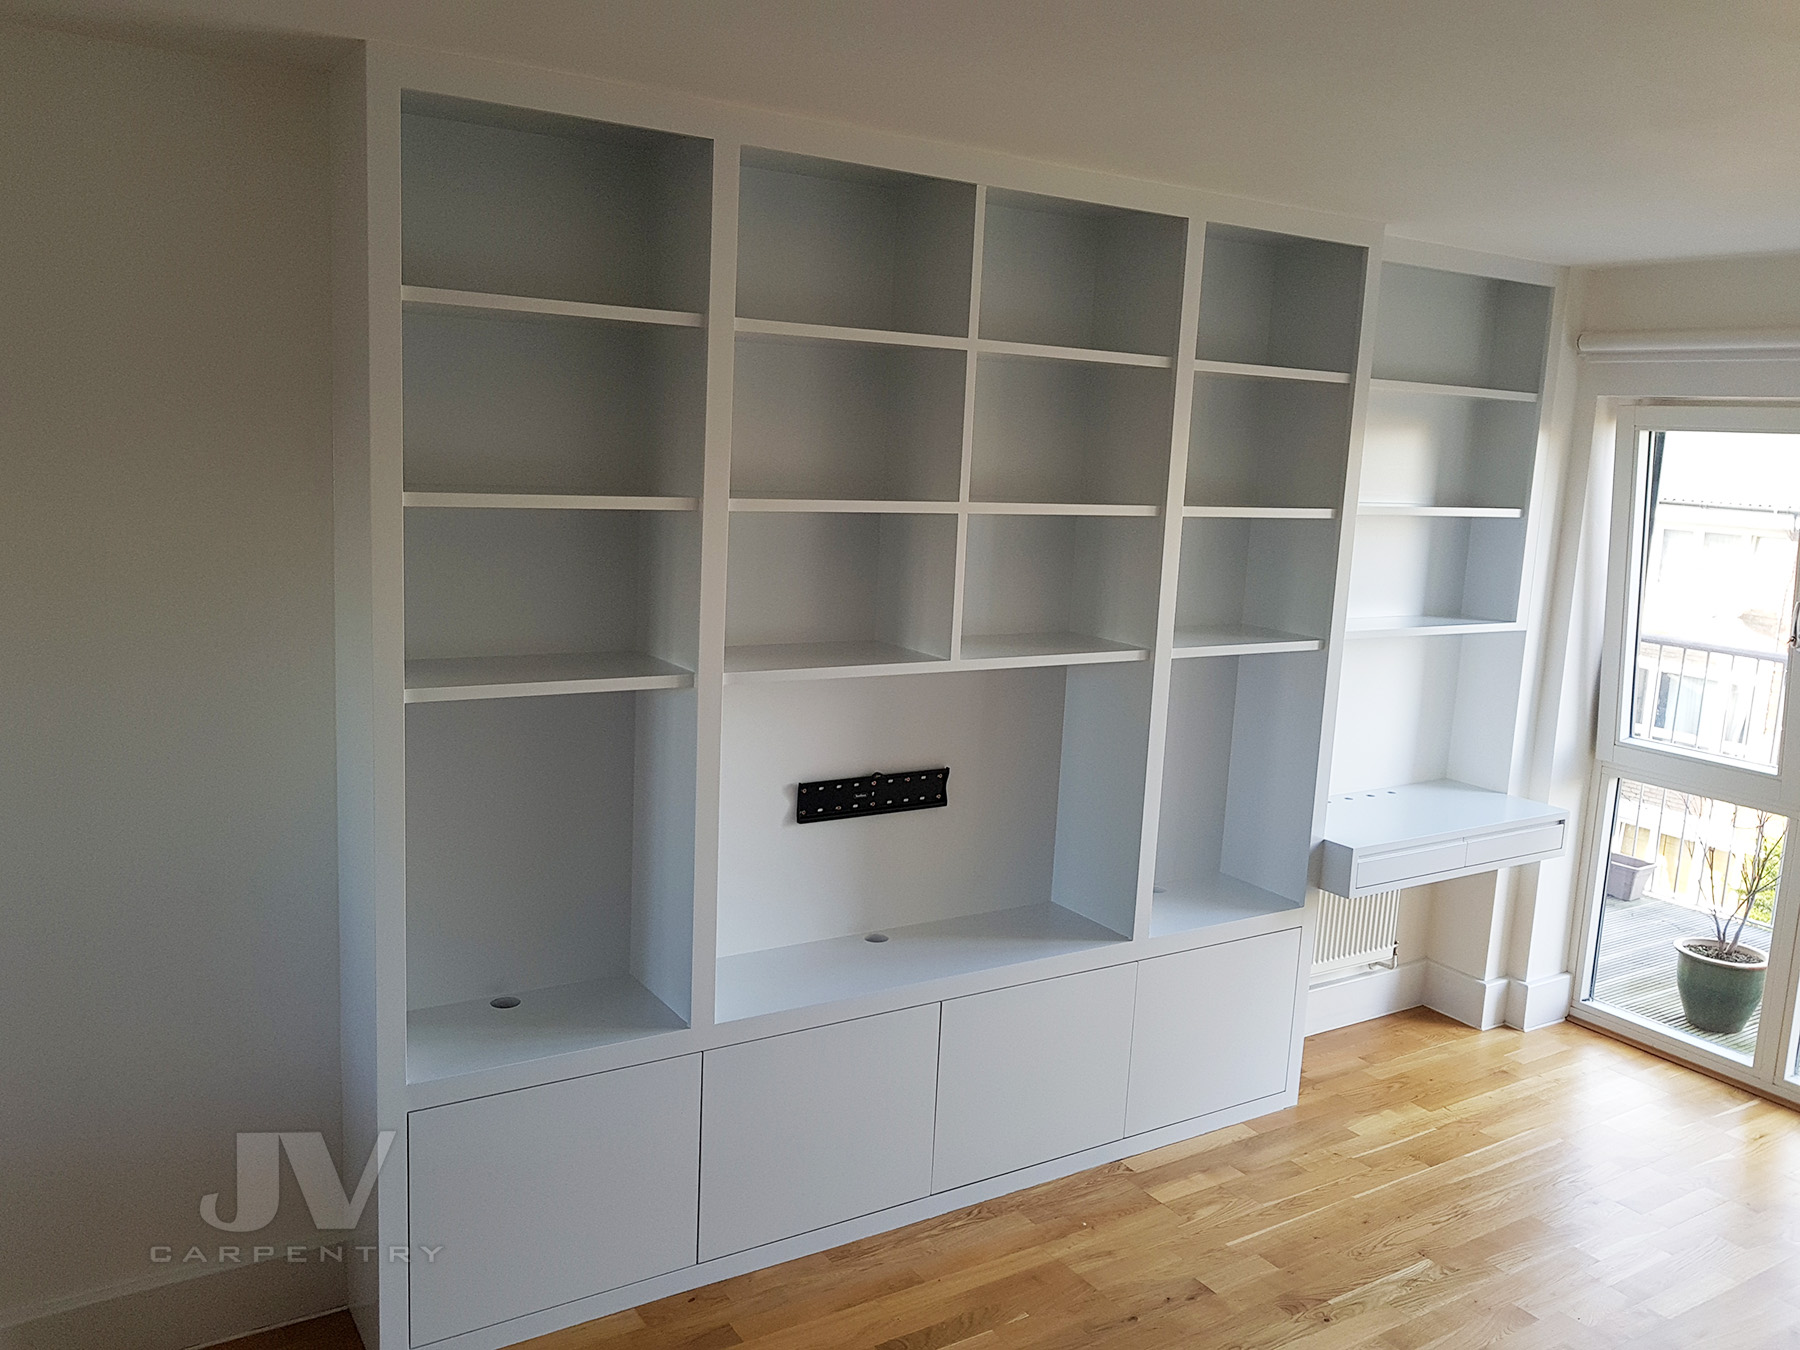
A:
(1721, 976)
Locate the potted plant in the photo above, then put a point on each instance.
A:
(1721, 976)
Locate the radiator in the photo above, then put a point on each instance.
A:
(1358, 932)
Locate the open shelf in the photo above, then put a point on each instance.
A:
(1250, 370)
(544, 501)
(1058, 431)
(1260, 512)
(1058, 585)
(807, 591)
(443, 681)
(819, 661)
(513, 203)
(1210, 901)
(550, 591)
(473, 1035)
(1092, 356)
(860, 506)
(515, 404)
(1077, 275)
(1267, 443)
(549, 858)
(1420, 451)
(1035, 854)
(846, 420)
(1428, 710)
(1276, 300)
(1240, 766)
(822, 242)
(1452, 333)
(1448, 512)
(1239, 640)
(1045, 649)
(1424, 625)
(481, 304)
(827, 332)
(1429, 389)
(1254, 585)
(832, 970)
(1408, 569)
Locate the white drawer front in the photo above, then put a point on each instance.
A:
(1032, 1073)
(551, 1193)
(1396, 869)
(816, 1127)
(1498, 850)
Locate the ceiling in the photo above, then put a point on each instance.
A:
(1571, 131)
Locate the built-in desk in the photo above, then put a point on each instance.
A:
(1390, 838)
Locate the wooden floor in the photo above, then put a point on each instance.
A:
(1436, 1187)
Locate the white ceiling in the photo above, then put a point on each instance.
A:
(1564, 130)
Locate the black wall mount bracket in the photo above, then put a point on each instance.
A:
(871, 794)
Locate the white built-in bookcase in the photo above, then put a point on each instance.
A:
(1437, 630)
(687, 454)
(958, 506)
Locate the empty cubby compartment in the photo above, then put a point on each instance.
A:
(847, 420)
(1076, 274)
(1275, 300)
(517, 403)
(529, 204)
(828, 243)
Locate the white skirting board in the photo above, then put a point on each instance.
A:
(1363, 997)
(1542, 1002)
(195, 1306)
(1484, 1004)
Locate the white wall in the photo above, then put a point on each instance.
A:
(168, 923)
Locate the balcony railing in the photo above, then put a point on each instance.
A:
(1720, 701)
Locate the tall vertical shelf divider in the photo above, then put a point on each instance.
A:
(688, 454)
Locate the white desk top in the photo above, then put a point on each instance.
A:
(1420, 813)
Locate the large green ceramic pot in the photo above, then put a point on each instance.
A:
(1718, 996)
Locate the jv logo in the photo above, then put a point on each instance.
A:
(259, 1181)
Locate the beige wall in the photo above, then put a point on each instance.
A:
(168, 928)
(1761, 292)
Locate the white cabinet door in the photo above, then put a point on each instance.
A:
(1215, 1028)
(1032, 1073)
(551, 1193)
(816, 1127)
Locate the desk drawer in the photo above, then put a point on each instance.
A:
(1401, 867)
(1501, 850)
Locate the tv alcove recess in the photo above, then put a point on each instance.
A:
(687, 454)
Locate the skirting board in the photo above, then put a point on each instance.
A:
(1364, 996)
(806, 1244)
(1542, 1002)
(212, 1304)
(1483, 1004)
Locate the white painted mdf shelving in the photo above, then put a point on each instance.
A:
(686, 453)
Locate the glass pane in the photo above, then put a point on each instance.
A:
(1717, 595)
(1693, 871)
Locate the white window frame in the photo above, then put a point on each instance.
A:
(1618, 757)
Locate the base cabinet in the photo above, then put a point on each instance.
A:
(1214, 1029)
(537, 1197)
(810, 1129)
(1032, 1073)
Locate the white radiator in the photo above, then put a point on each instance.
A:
(1358, 932)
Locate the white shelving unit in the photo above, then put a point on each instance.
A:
(687, 454)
